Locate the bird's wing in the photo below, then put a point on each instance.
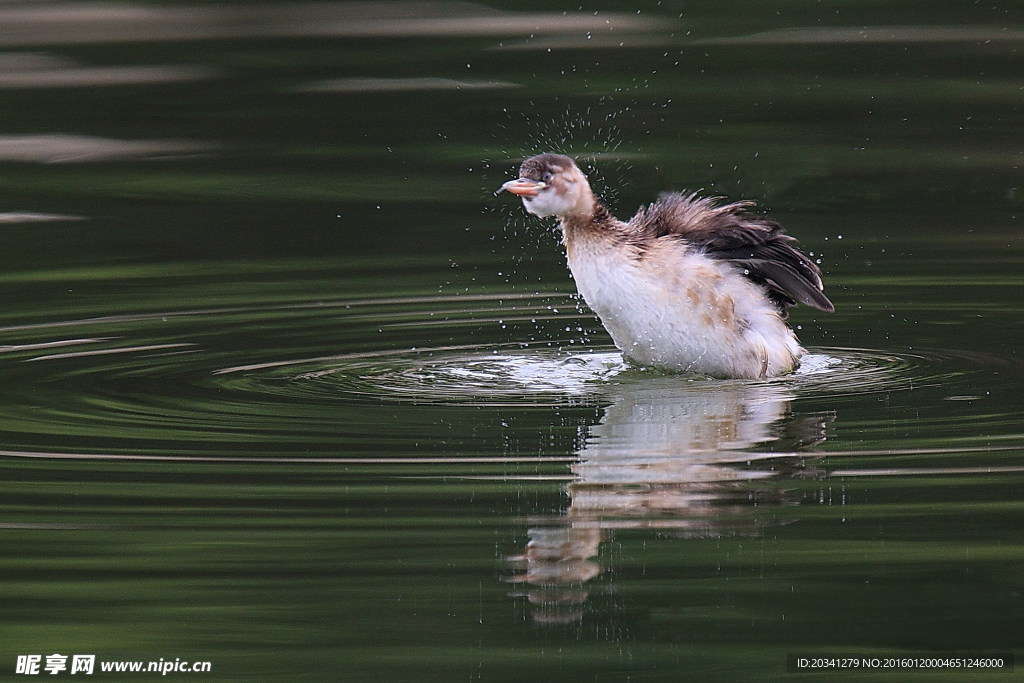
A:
(756, 245)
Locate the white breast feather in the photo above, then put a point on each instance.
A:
(677, 309)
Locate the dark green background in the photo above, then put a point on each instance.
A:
(337, 513)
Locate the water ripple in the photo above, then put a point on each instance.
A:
(542, 374)
(257, 381)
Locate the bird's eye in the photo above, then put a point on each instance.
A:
(548, 175)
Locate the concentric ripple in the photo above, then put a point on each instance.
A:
(538, 376)
(543, 374)
(309, 380)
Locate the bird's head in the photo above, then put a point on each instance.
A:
(552, 185)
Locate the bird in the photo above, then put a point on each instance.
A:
(690, 284)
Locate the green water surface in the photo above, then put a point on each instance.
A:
(285, 388)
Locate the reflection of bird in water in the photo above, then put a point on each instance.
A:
(667, 455)
(671, 457)
(688, 283)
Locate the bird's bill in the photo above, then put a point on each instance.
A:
(524, 187)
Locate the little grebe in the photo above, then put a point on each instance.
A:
(688, 284)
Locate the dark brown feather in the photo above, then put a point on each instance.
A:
(756, 245)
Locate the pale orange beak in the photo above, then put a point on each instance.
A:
(524, 187)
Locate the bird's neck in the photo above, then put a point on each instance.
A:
(592, 222)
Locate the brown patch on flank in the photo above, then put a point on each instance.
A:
(725, 310)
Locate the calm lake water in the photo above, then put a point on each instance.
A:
(286, 389)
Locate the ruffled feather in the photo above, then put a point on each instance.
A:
(756, 245)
